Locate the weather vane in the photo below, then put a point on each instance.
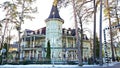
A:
(55, 2)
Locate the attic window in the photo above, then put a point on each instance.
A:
(69, 32)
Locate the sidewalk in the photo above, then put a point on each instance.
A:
(104, 65)
(110, 64)
(56, 66)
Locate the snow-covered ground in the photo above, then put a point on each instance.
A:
(54, 66)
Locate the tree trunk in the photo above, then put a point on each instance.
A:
(77, 36)
(100, 35)
(2, 42)
(19, 28)
(116, 13)
(94, 33)
(113, 58)
(82, 36)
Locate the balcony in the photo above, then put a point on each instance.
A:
(32, 48)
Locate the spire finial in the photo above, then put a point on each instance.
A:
(55, 2)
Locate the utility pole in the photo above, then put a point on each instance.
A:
(77, 36)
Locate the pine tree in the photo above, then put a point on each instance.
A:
(6, 48)
(48, 55)
(97, 47)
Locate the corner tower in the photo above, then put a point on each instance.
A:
(54, 32)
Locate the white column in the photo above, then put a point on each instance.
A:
(29, 54)
(72, 55)
(34, 42)
(34, 46)
(30, 47)
(36, 55)
(30, 42)
(23, 46)
(76, 55)
(66, 42)
(33, 54)
(73, 42)
(23, 54)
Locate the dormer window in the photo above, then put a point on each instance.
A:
(65, 31)
(25, 33)
(39, 31)
(36, 32)
(69, 32)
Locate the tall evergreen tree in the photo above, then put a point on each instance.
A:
(48, 55)
(97, 47)
(6, 48)
(16, 11)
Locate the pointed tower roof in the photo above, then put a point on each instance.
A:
(54, 14)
